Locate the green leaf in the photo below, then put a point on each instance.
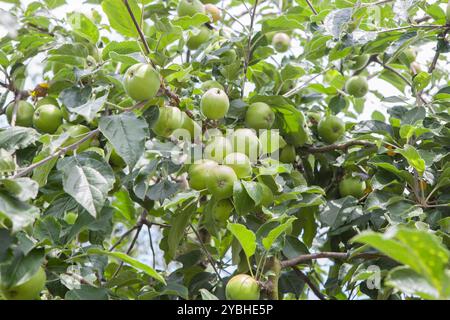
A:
(277, 232)
(411, 283)
(23, 189)
(84, 27)
(179, 222)
(21, 268)
(132, 262)
(124, 205)
(20, 213)
(413, 157)
(417, 249)
(246, 238)
(242, 201)
(87, 292)
(124, 47)
(127, 134)
(88, 179)
(16, 138)
(119, 18)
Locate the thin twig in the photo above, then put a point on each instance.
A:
(343, 147)
(438, 52)
(123, 237)
(208, 255)
(304, 84)
(311, 7)
(249, 44)
(310, 284)
(139, 30)
(327, 255)
(61, 152)
(149, 230)
(133, 242)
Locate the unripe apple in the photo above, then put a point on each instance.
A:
(214, 104)
(357, 86)
(189, 8)
(142, 82)
(47, 100)
(199, 173)
(288, 154)
(191, 126)
(222, 210)
(169, 119)
(229, 56)
(218, 148)
(245, 141)
(271, 141)
(47, 118)
(281, 42)
(197, 38)
(352, 186)
(210, 84)
(331, 129)
(29, 290)
(259, 116)
(221, 181)
(240, 163)
(75, 133)
(24, 114)
(213, 12)
(359, 62)
(242, 287)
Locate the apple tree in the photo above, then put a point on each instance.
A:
(205, 149)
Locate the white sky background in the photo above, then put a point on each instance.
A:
(425, 55)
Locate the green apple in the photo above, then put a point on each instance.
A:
(352, 186)
(47, 118)
(169, 119)
(245, 141)
(288, 154)
(47, 100)
(228, 57)
(271, 141)
(24, 114)
(215, 104)
(199, 172)
(142, 82)
(210, 84)
(213, 12)
(240, 163)
(281, 42)
(218, 148)
(29, 290)
(357, 86)
(359, 62)
(194, 129)
(331, 129)
(221, 181)
(259, 116)
(189, 8)
(242, 287)
(222, 210)
(76, 133)
(197, 38)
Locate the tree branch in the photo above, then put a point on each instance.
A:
(139, 30)
(311, 7)
(310, 284)
(342, 147)
(61, 152)
(249, 44)
(327, 255)
(441, 36)
(208, 255)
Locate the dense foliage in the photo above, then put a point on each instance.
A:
(341, 191)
